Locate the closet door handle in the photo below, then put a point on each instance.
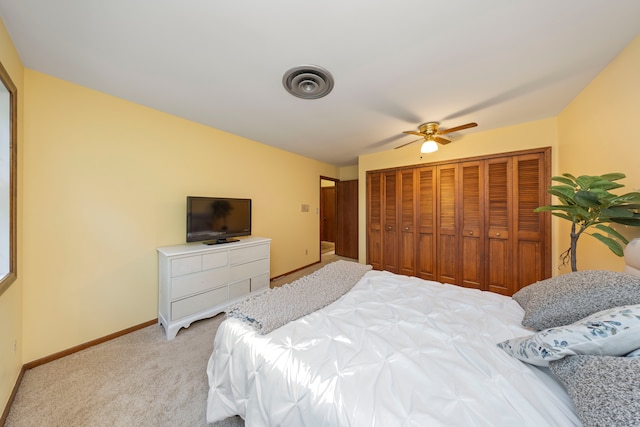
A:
(471, 233)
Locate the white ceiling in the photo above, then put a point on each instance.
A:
(396, 64)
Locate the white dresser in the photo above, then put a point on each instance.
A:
(198, 281)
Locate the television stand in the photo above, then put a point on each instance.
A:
(220, 241)
(199, 281)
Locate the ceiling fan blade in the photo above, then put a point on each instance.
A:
(439, 140)
(412, 132)
(457, 128)
(404, 145)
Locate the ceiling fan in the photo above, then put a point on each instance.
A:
(431, 135)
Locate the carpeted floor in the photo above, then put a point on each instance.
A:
(139, 379)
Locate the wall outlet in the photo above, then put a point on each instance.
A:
(15, 345)
(304, 208)
(306, 251)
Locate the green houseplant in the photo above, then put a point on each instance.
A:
(587, 202)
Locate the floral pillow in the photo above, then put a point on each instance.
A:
(611, 332)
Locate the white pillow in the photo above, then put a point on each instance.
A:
(611, 332)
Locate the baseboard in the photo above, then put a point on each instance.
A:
(64, 353)
(294, 271)
(5, 413)
(86, 345)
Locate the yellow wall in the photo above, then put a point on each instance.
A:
(11, 359)
(599, 132)
(107, 179)
(542, 133)
(107, 183)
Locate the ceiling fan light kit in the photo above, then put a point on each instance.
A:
(429, 147)
(429, 132)
(308, 81)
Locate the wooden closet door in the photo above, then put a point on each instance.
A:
(471, 254)
(447, 224)
(425, 223)
(499, 209)
(390, 222)
(374, 220)
(407, 247)
(531, 173)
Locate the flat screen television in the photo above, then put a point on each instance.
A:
(214, 220)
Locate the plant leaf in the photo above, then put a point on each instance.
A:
(632, 222)
(565, 181)
(613, 176)
(563, 216)
(616, 212)
(626, 198)
(585, 181)
(587, 199)
(562, 191)
(612, 232)
(615, 247)
(605, 185)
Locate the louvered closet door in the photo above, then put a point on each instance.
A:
(407, 248)
(447, 239)
(530, 177)
(499, 207)
(390, 222)
(471, 255)
(374, 220)
(426, 205)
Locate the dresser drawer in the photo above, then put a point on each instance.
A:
(187, 265)
(249, 269)
(214, 260)
(260, 282)
(196, 303)
(242, 255)
(239, 289)
(197, 282)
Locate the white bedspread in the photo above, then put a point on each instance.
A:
(393, 351)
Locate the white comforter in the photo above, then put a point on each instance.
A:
(393, 351)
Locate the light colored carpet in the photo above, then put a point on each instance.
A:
(139, 379)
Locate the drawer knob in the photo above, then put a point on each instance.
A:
(497, 234)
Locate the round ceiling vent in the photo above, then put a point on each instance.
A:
(308, 81)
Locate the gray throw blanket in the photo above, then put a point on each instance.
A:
(275, 307)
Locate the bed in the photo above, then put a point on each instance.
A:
(397, 350)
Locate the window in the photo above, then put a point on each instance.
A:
(8, 186)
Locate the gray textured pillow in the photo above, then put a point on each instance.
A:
(605, 390)
(565, 299)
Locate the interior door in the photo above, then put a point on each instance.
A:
(390, 222)
(499, 247)
(407, 217)
(347, 219)
(374, 219)
(328, 214)
(471, 201)
(447, 224)
(425, 223)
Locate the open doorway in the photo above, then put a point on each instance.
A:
(338, 218)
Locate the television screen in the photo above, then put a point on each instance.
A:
(215, 219)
